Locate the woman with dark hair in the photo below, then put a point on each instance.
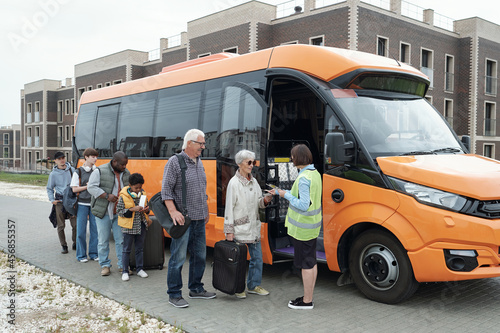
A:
(303, 221)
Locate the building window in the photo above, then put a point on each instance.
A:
(489, 150)
(491, 77)
(59, 136)
(37, 137)
(429, 99)
(99, 85)
(318, 40)
(72, 106)
(107, 84)
(293, 42)
(404, 53)
(5, 152)
(117, 81)
(204, 55)
(89, 88)
(6, 138)
(80, 92)
(60, 111)
(427, 65)
(231, 50)
(72, 131)
(37, 156)
(37, 112)
(29, 108)
(449, 73)
(489, 119)
(66, 107)
(382, 46)
(67, 133)
(448, 111)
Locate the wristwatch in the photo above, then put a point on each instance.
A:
(107, 196)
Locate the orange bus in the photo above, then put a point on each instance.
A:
(403, 201)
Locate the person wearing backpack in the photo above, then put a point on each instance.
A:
(59, 179)
(79, 185)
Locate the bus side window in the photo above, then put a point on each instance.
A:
(105, 130)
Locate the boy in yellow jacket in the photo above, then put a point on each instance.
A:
(134, 220)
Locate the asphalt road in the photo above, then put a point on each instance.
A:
(466, 306)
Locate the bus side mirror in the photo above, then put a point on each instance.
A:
(466, 142)
(336, 149)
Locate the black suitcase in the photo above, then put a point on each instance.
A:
(154, 247)
(229, 268)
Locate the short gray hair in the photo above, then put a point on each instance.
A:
(192, 135)
(244, 155)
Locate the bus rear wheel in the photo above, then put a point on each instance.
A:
(380, 267)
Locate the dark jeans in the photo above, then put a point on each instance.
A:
(128, 240)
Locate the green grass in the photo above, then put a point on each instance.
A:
(27, 179)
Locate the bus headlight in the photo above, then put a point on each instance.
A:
(431, 196)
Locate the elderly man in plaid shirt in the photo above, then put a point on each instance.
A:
(194, 238)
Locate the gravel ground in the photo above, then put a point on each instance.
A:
(45, 302)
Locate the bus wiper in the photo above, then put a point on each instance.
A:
(448, 150)
(422, 152)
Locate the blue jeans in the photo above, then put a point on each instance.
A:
(254, 277)
(128, 240)
(81, 233)
(104, 228)
(193, 241)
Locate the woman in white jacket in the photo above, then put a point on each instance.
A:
(241, 219)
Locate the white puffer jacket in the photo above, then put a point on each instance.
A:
(243, 200)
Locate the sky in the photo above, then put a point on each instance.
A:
(45, 39)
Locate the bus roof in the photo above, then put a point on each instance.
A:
(324, 63)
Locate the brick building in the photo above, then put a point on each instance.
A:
(460, 57)
(10, 146)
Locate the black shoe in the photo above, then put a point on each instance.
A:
(298, 304)
(74, 246)
(64, 250)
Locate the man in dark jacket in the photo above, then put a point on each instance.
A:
(59, 179)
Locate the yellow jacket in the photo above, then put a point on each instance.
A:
(128, 222)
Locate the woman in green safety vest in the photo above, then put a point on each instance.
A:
(303, 221)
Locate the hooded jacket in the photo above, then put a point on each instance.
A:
(59, 179)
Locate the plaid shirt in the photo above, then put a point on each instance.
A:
(196, 186)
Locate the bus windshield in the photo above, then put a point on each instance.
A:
(391, 126)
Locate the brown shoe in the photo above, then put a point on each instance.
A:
(105, 271)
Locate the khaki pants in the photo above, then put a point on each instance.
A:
(61, 224)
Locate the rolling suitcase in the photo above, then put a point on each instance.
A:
(154, 248)
(229, 268)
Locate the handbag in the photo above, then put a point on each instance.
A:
(161, 212)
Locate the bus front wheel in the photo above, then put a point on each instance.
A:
(380, 267)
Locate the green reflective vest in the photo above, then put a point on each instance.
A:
(306, 225)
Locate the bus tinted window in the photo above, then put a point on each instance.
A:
(85, 128)
(135, 124)
(178, 111)
(105, 130)
(211, 118)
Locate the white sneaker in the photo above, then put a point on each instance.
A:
(125, 277)
(83, 260)
(142, 274)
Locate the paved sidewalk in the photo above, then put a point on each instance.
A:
(469, 306)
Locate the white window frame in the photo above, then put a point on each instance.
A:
(386, 50)
(6, 137)
(494, 77)
(446, 56)
(492, 149)
(493, 117)
(227, 49)
(204, 55)
(451, 110)
(408, 55)
(317, 37)
(292, 42)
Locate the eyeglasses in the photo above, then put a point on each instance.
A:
(200, 143)
(250, 162)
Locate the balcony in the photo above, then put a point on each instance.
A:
(37, 117)
(430, 74)
(59, 141)
(37, 141)
(490, 126)
(28, 117)
(28, 141)
(491, 85)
